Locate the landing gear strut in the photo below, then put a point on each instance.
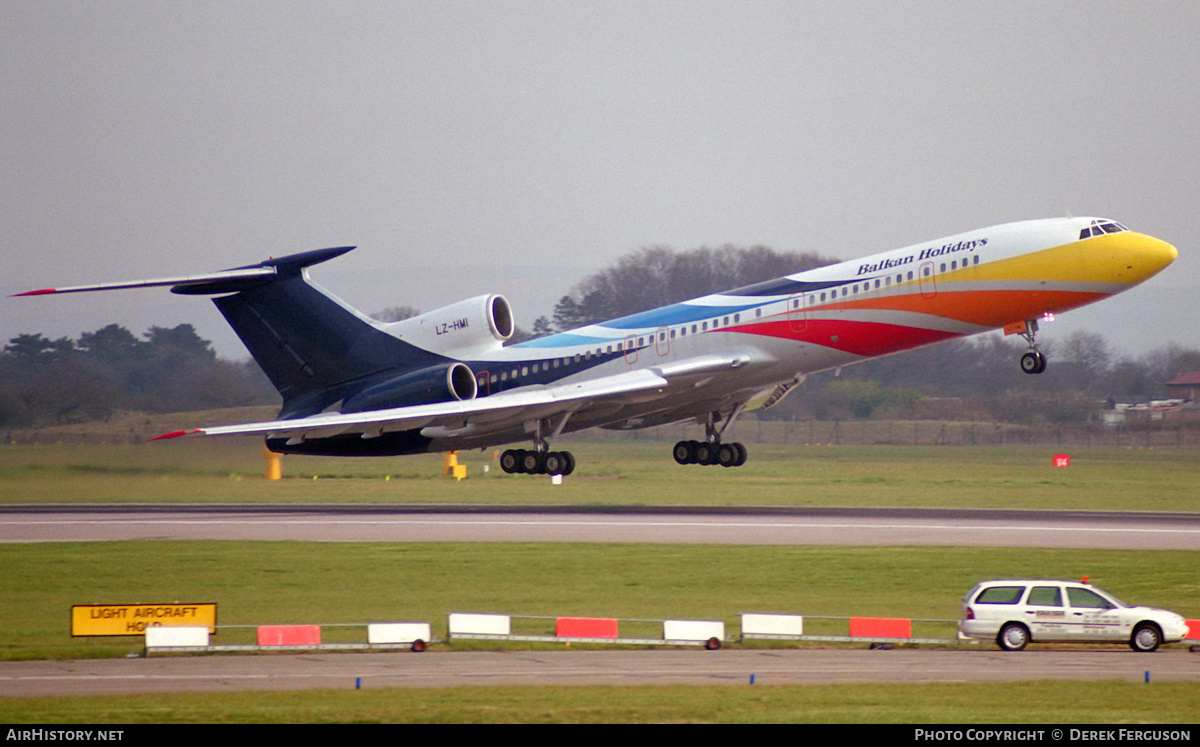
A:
(711, 450)
(1033, 361)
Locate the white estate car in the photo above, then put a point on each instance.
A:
(1013, 613)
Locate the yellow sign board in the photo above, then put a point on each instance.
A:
(133, 619)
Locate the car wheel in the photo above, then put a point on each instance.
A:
(1146, 638)
(1013, 637)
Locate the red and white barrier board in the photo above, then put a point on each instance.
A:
(693, 630)
(759, 624)
(381, 633)
(585, 627)
(461, 623)
(289, 635)
(172, 636)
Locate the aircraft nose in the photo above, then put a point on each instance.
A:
(1147, 256)
(1159, 253)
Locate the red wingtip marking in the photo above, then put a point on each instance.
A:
(42, 292)
(176, 434)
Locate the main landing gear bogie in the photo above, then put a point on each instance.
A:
(703, 452)
(527, 462)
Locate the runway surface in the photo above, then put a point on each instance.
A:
(559, 668)
(766, 526)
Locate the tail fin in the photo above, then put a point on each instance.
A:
(311, 345)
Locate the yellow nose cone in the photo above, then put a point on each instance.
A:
(1143, 256)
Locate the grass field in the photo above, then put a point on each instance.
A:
(1008, 704)
(352, 583)
(613, 473)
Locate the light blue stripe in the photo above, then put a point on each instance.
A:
(564, 340)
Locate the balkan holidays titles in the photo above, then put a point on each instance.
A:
(924, 254)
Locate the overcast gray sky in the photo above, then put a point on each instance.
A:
(513, 147)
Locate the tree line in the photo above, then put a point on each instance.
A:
(51, 382)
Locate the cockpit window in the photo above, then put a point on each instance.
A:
(1099, 227)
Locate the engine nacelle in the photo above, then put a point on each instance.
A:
(441, 383)
(458, 330)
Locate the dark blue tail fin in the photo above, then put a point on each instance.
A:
(313, 348)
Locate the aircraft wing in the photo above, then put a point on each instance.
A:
(497, 412)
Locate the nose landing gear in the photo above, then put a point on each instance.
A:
(1033, 361)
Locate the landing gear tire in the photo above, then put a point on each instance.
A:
(510, 461)
(742, 454)
(726, 455)
(1033, 362)
(533, 463)
(684, 452)
(554, 463)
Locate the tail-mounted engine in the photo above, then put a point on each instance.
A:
(461, 329)
(441, 383)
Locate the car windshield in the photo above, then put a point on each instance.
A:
(1116, 601)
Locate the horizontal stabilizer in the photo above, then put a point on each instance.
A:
(223, 281)
(225, 276)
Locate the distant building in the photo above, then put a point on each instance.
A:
(1184, 386)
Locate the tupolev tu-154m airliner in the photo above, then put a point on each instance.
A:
(445, 380)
